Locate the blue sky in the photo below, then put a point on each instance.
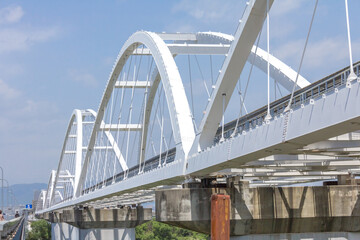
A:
(57, 55)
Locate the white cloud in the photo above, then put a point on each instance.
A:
(27, 126)
(11, 14)
(7, 92)
(82, 77)
(12, 39)
(281, 29)
(285, 6)
(14, 104)
(25, 122)
(16, 108)
(325, 50)
(289, 50)
(205, 10)
(326, 53)
(284, 16)
(186, 28)
(20, 37)
(218, 10)
(34, 109)
(10, 69)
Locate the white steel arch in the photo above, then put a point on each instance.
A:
(40, 201)
(234, 63)
(63, 175)
(50, 190)
(216, 43)
(113, 144)
(77, 119)
(279, 70)
(203, 43)
(283, 151)
(180, 115)
(304, 148)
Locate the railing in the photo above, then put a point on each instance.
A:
(19, 233)
(250, 121)
(152, 163)
(8, 227)
(301, 97)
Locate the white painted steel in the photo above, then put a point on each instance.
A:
(313, 147)
(316, 124)
(177, 36)
(239, 51)
(220, 45)
(76, 119)
(180, 114)
(131, 84)
(50, 190)
(57, 177)
(328, 117)
(120, 127)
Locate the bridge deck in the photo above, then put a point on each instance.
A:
(324, 109)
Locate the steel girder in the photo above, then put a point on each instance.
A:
(236, 151)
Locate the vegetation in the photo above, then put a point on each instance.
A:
(40, 230)
(160, 231)
(152, 230)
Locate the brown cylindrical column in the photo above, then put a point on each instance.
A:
(220, 217)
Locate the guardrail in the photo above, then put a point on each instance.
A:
(8, 227)
(253, 119)
(318, 89)
(306, 95)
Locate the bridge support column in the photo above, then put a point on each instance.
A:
(64, 231)
(280, 211)
(92, 223)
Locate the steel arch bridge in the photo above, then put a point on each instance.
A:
(146, 133)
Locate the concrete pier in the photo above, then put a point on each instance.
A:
(66, 231)
(92, 223)
(265, 210)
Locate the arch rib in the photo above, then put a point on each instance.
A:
(279, 71)
(76, 116)
(179, 111)
(50, 190)
(284, 74)
(77, 119)
(239, 51)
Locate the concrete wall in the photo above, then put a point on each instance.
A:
(105, 218)
(64, 231)
(265, 210)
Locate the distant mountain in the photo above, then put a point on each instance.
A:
(24, 193)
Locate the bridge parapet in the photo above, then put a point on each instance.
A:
(8, 227)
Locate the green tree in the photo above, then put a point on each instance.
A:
(160, 231)
(40, 230)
